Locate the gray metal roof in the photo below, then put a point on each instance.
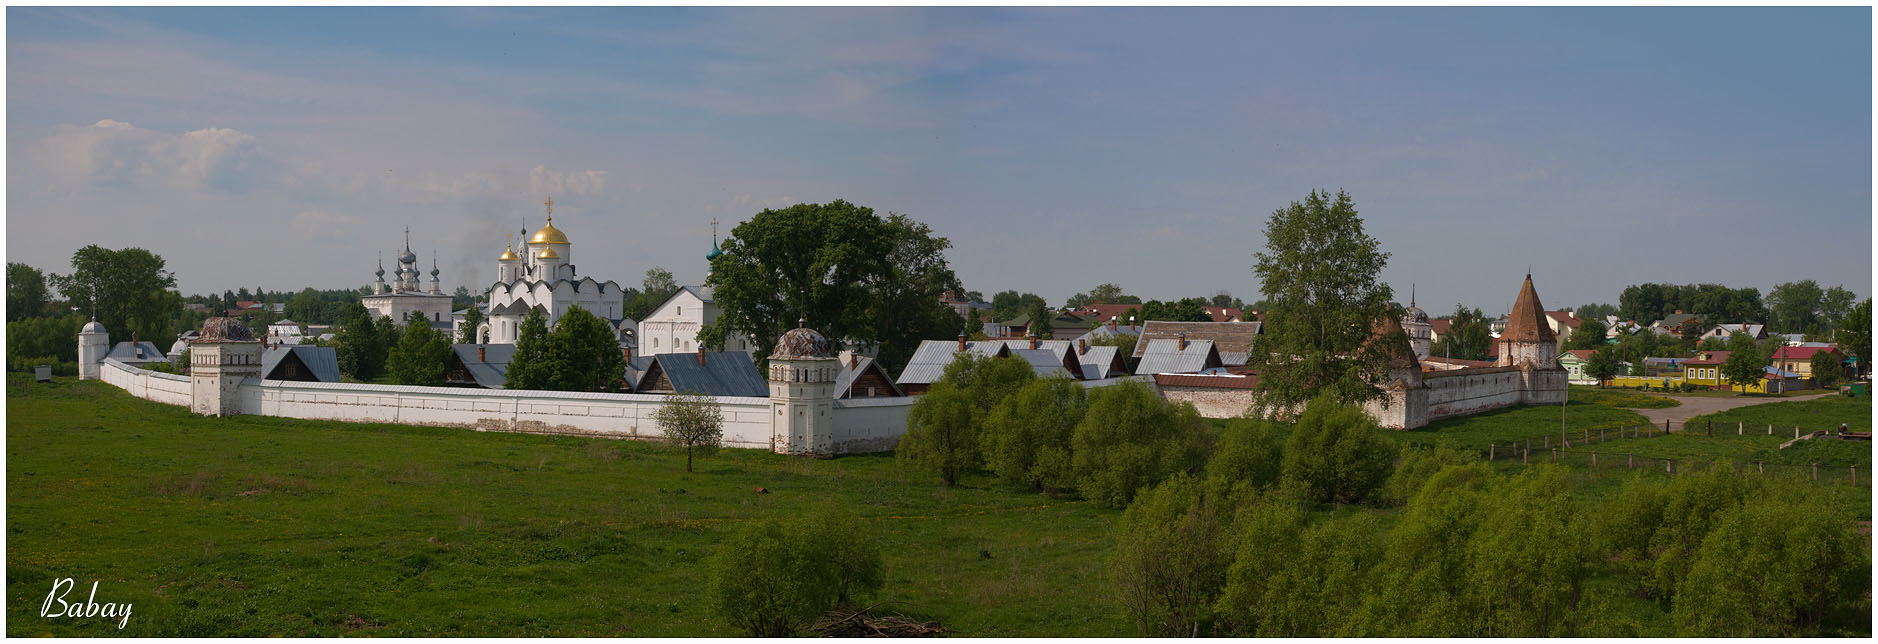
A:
(322, 361)
(1234, 358)
(850, 373)
(1043, 362)
(491, 371)
(1099, 362)
(137, 352)
(930, 360)
(1165, 356)
(724, 373)
(636, 368)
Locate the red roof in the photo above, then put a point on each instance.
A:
(1799, 353)
(1205, 380)
(1441, 327)
(1583, 354)
(1221, 313)
(1565, 318)
(1102, 312)
(1712, 357)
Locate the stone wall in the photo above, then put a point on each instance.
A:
(1212, 402)
(860, 425)
(1471, 391)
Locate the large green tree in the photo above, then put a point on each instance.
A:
(1010, 304)
(361, 346)
(1854, 334)
(529, 367)
(1468, 338)
(472, 318)
(1182, 310)
(128, 289)
(1796, 307)
(906, 305)
(1589, 335)
(1321, 273)
(657, 286)
(1746, 361)
(584, 354)
(421, 356)
(26, 291)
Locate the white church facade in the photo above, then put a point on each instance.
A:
(403, 296)
(543, 276)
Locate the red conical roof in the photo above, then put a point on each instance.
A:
(1527, 323)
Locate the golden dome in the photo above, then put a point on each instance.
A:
(548, 253)
(549, 235)
(508, 256)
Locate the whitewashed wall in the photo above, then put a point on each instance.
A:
(868, 425)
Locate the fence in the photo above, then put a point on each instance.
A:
(1575, 449)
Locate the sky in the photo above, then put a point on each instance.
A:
(1057, 148)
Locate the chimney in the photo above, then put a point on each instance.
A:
(1183, 340)
(1033, 342)
(133, 337)
(1131, 322)
(854, 361)
(626, 353)
(961, 340)
(482, 353)
(700, 355)
(1112, 323)
(1082, 346)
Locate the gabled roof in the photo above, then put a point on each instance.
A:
(1166, 356)
(1102, 313)
(1441, 327)
(323, 362)
(722, 373)
(1104, 331)
(851, 371)
(1581, 354)
(1527, 321)
(1799, 353)
(1234, 337)
(1046, 363)
(704, 293)
(1221, 313)
(136, 352)
(1100, 361)
(1672, 320)
(1709, 358)
(490, 373)
(1565, 318)
(930, 360)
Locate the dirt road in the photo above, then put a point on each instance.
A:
(1693, 406)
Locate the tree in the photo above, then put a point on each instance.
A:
(1590, 335)
(26, 292)
(583, 354)
(1834, 305)
(529, 368)
(654, 289)
(942, 429)
(693, 421)
(1321, 272)
(974, 323)
(1170, 561)
(1040, 326)
(1795, 307)
(906, 302)
(1009, 304)
(472, 318)
(306, 306)
(461, 298)
(1777, 566)
(1594, 311)
(1854, 334)
(1249, 458)
(1131, 438)
(1691, 331)
(1468, 336)
(128, 289)
(1184, 310)
(1826, 369)
(421, 356)
(362, 349)
(1746, 364)
(1298, 579)
(1026, 436)
(771, 578)
(1603, 364)
(1526, 562)
(1101, 294)
(1124, 344)
(1336, 452)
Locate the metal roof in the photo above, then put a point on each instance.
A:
(137, 352)
(490, 373)
(1165, 356)
(930, 360)
(1043, 362)
(851, 373)
(1099, 362)
(322, 361)
(723, 373)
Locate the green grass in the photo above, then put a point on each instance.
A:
(1753, 442)
(1625, 398)
(269, 526)
(1509, 424)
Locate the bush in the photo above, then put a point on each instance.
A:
(1335, 450)
(1418, 589)
(1294, 580)
(1249, 458)
(1777, 566)
(941, 434)
(1026, 437)
(1692, 505)
(1130, 438)
(1526, 563)
(1415, 465)
(772, 578)
(1169, 560)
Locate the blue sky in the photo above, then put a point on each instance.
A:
(1056, 148)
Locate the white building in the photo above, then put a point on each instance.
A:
(673, 326)
(543, 277)
(399, 298)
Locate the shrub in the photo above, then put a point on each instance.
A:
(1130, 438)
(941, 434)
(1777, 566)
(1169, 562)
(1693, 503)
(1415, 465)
(771, 578)
(1418, 589)
(1249, 458)
(1336, 452)
(1026, 437)
(1294, 580)
(1525, 562)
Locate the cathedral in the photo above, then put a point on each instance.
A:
(398, 299)
(542, 276)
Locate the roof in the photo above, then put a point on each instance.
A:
(1565, 318)
(635, 368)
(1099, 361)
(1709, 358)
(489, 374)
(722, 373)
(1799, 353)
(1581, 354)
(1166, 356)
(1221, 313)
(1441, 327)
(1234, 337)
(1777, 374)
(1102, 312)
(1673, 320)
(1104, 331)
(1044, 363)
(137, 352)
(852, 371)
(1449, 364)
(1217, 381)
(1755, 330)
(1526, 322)
(322, 361)
(930, 360)
(705, 293)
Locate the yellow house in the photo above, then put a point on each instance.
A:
(1705, 369)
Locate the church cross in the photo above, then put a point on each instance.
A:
(550, 205)
(713, 230)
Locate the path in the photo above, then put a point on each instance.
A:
(1693, 406)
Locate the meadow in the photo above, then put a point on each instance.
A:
(256, 526)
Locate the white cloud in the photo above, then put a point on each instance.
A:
(116, 153)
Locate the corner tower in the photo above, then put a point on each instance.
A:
(226, 354)
(802, 393)
(93, 344)
(1527, 337)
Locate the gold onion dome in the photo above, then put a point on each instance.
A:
(549, 235)
(548, 253)
(508, 255)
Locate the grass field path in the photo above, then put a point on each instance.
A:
(1693, 406)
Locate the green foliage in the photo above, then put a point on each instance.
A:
(26, 292)
(974, 323)
(1124, 346)
(1322, 274)
(1415, 465)
(771, 578)
(1590, 335)
(1249, 458)
(657, 286)
(1468, 338)
(1854, 335)
(1421, 585)
(472, 318)
(529, 368)
(1776, 566)
(1335, 451)
(1603, 364)
(1170, 558)
(1294, 580)
(1130, 438)
(421, 356)
(584, 354)
(1184, 310)
(1526, 564)
(1040, 326)
(1795, 307)
(1745, 364)
(1101, 294)
(1594, 311)
(1026, 436)
(1010, 304)
(42, 338)
(941, 433)
(1255, 599)
(361, 349)
(1691, 505)
(906, 302)
(693, 421)
(1827, 371)
(129, 289)
(1649, 302)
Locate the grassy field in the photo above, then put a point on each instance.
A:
(1625, 398)
(268, 526)
(1754, 443)
(1509, 424)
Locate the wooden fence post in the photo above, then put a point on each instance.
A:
(1601, 435)
(1525, 456)
(1740, 427)
(1770, 429)
(1796, 433)
(1594, 460)
(1666, 426)
(1669, 466)
(1760, 467)
(1855, 475)
(1555, 456)
(1490, 449)
(1548, 439)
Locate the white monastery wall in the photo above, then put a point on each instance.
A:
(149, 385)
(865, 425)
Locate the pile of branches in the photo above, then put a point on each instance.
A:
(861, 622)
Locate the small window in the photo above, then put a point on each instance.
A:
(681, 310)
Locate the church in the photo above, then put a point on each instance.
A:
(398, 299)
(543, 276)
